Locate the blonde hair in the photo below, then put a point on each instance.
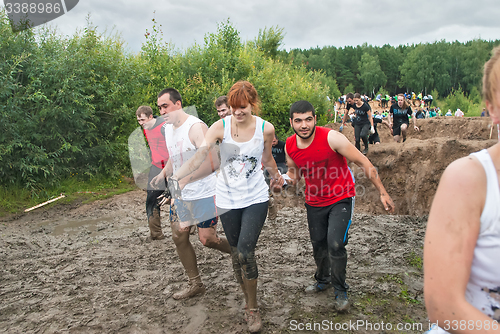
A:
(491, 76)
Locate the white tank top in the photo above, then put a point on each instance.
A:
(241, 180)
(483, 288)
(181, 149)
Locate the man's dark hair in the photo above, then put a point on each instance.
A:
(220, 101)
(173, 93)
(349, 96)
(301, 107)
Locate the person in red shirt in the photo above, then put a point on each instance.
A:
(319, 155)
(155, 135)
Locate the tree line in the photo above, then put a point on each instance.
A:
(67, 104)
(442, 67)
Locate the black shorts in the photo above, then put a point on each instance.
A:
(396, 128)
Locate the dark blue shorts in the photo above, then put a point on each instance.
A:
(201, 212)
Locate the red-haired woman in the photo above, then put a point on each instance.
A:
(241, 193)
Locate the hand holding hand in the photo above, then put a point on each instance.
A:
(164, 198)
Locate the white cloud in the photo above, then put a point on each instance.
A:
(306, 23)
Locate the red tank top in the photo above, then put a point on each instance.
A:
(328, 178)
(157, 145)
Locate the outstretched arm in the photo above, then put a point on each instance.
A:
(210, 163)
(214, 133)
(338, 142)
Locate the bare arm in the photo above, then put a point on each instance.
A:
(370, 116)
(293, 170)
(338, 142)
(214, 133)
(346, 114)
(387, 125)
(165, 172)
(267, 156)
(211, 161)
(451, 236)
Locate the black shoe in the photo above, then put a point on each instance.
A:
(341, 301)
(365, 151)
(318, 287)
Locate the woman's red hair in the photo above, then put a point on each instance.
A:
(242, 94)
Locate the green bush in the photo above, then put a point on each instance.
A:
(65, 105)
(202, 73)
(68, 103)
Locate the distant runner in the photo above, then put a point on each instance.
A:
(399, 113)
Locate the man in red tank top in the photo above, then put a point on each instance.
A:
(155, 135)
(319, 155)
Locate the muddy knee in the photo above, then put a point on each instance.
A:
(180, 236)
(248, 264)
(235, 259)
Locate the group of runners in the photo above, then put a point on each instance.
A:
(365, 121)
(201, 188)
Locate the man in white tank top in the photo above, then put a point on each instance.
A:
(184, 134)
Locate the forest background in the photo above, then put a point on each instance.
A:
(67, 103)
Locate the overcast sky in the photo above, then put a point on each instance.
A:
(306, 23)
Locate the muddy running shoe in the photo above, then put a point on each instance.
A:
(254, 321)
(195, 287)
(365, 151)
(317, 287)
(341, 301)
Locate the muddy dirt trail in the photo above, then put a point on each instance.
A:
(89, 268)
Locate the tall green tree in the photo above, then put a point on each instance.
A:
(270, 40)
(371, 74)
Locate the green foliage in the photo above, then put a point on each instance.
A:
(370, 73)
(64, 106)
(202, 73)
(457, 100)
(349, 89)
(435, 94)
(475, 95)
(269, 41)
(440, 66)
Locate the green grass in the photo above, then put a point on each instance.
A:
(415, 260)
(15, 200)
